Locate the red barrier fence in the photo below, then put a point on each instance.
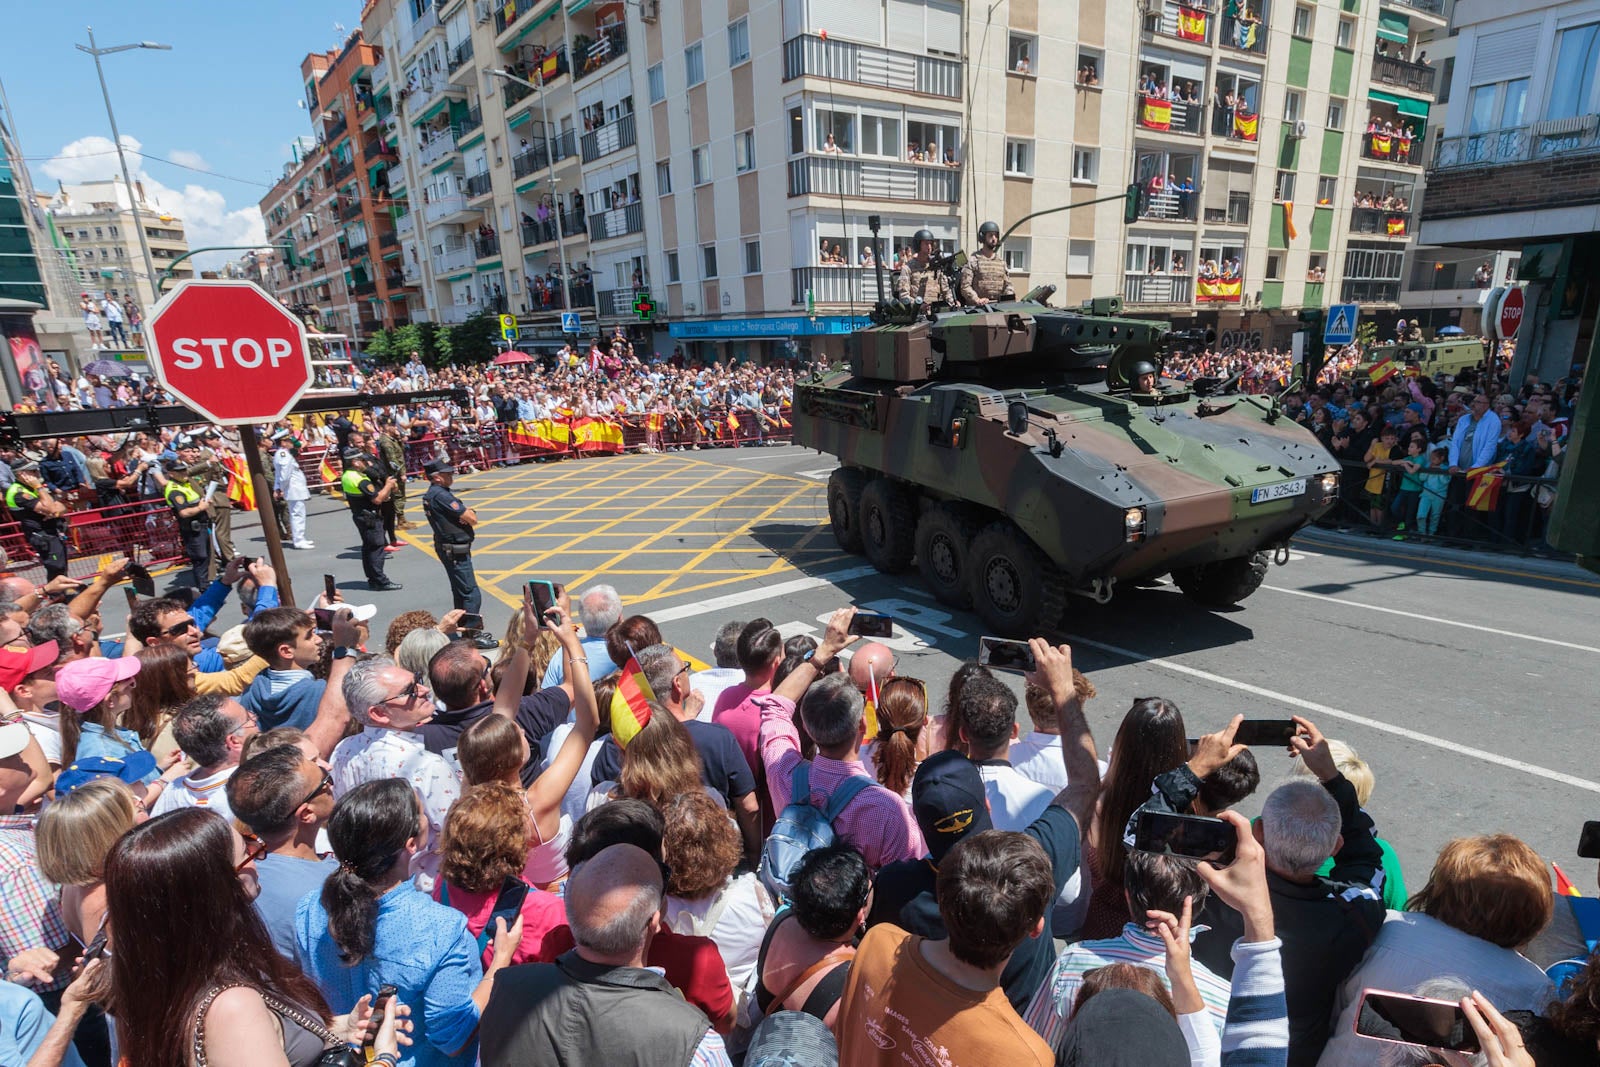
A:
(145, 531)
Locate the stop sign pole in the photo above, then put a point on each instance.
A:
(239, 358)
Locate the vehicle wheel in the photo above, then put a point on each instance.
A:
(844, 506)
(944, 545)
(1225, 582)
(888, 524)
(1015, 588)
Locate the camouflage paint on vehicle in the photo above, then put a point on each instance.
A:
(1429, 358)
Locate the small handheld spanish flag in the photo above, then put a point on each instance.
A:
(869, 711)
(630, 703)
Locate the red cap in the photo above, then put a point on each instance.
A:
(17, 663)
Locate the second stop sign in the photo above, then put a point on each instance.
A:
(229, 350)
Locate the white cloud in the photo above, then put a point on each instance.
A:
(207, 217)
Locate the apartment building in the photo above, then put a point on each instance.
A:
(96, 224)
(1518, 166)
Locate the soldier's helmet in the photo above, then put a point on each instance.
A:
(921, 236)
(1143, 367)
(988, 228)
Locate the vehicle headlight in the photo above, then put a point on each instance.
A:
(1330, 484)
(1133, 524)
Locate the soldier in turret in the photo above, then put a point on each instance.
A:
(984, 277)
(919, 280)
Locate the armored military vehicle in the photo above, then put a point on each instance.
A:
(1018, 454)
(1426, 358)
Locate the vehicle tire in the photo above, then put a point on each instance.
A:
(944, 546)
(1015, 589)
(844, 506)
(888, 524)
(1224, 583)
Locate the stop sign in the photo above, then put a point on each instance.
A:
(228, 350)
(1510, 317)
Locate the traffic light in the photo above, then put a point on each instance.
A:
(1134, 203)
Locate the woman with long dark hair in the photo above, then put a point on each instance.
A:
(369, 927)
(902, 740)
(166, 683)
(194, 977)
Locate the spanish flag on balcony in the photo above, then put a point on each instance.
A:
(241, 490)
(1382, 371)
(1484, 485)
(1191, 24)
(1244, 35)
(1246, 126)
(1218, 290)
(1382, 144)
(1396, 227)
(1157, 114)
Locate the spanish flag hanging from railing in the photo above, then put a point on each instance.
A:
(1191, 24)
(1157, 114)
(1396, 227)
(1218, 290)
(1382, 144)
(596, 435)
(1484, 485)
(1246, 126)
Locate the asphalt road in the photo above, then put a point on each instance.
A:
(1467, 687)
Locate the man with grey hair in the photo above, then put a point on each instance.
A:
(876, 821)
(55, 622)
(566, 1012)
(599, 609)
(712, 683)
(211, 730)
(390, 702)
(1326, 923)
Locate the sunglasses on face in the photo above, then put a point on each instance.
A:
(254, 849)
(324, 786)
(409, 693)
(179, 628)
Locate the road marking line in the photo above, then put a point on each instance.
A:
(1434, 619)
(1323, 710)
(764, 592)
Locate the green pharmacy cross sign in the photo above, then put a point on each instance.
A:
(644, 307)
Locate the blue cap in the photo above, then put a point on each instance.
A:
(134, 769)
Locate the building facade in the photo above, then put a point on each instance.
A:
(96, 225)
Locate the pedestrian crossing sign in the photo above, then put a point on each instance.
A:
(508, 327)
(1341, 327)
(569, 322)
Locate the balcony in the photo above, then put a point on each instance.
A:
(617, 303)
(405, 225)
(1171, 205)
(552, 298)
(1558, 139)
(837, 285)
(479, 185)
(483, 10)
(538, 232)
(876, 179)
(509, 12)
(1431, 7)
(486, 246)
(456, 314)
(1219, 290)
(1186, 22)
(1237, 213)
(332, 131)
(377, 148)
(350, 211)
(472, 120)
(388, 239)
(529, 159)
(432, 149)
(1245, 35)
(1239, 126)
(1370, 291)
(868, 65)
(614, 136)
(460, 56)
(356, 250)
(1411, 77)
(363, 288)
(394, 280)
(618, 222)
(1392, 148)
(457, 255)
(1171, 116)
(414, 33)
(444, 207)
(608, 45)
(343, 169)
(1141, 288)
(1380, 221)
(427, 92)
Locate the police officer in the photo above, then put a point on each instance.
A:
(41, 516)
(1144, 377)
(205, 468)
(193, 512)
(918, 280)
(983, 276)
(366, 501)
(453, 523)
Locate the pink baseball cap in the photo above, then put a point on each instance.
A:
(84, 683)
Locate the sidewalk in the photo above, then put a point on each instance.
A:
(1316, 537)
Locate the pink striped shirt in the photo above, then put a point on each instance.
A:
(876, 821)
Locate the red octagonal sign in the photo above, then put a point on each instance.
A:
(229, 351)
(1511, 308)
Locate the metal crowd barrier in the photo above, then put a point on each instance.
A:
(145, 531)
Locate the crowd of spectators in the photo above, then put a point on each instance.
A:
(284, 845)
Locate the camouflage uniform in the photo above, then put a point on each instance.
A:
(210, 469)
(984, 278)
(923, 285)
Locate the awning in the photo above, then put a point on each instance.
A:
(1393, 27)
(1416, 109)
(545, 16)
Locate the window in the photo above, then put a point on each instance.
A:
(663, 177)
(1347, 33)
(708, 257)
(1016, 252)
(672, 267)
(1274, 266)
(1090, 63)
(880, 136)
(836, 132)
(1327, 189)
(658, 83)
(1019, 158)
(1080, 257)
(694, 64)
(744, 151)
(1336, 114)
(1086, 165)
(738, 42)
(1572, 85)
(1293, 104)
(1283, 188)
(1302, 20)
(752, 257)
(1317, 269)
(1020, 54)
(932, 142)
(797, 130)
(700, 161)
(1445, 76)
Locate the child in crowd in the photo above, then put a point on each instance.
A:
(1410, 494)
(1378, 464)
(1435, 484)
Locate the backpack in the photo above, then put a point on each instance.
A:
(801, 827)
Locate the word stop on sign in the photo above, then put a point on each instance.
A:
(245, 352)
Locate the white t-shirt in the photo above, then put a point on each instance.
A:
(1014, 801)
(746, 911)
(45, 726)
(192, 792)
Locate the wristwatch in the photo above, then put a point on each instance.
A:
(343, 652)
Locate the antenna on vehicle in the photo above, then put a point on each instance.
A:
(874, 223)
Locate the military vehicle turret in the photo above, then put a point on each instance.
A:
(1007, 452)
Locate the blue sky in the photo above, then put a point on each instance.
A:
(223, 100)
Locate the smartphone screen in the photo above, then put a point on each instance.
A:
(1266, 732)
(1194, 837)
(1415, 1021)
(328, 587)
(324, 617)
(871, 624)
(1589, 841)
(543, 595)
(470, 621)
(1004, 654)
(139, 577)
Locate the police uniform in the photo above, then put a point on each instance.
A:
(194, 531)
(984, 278)
(47, 537)
(922, 285)
(452, 539)
(208, 470)
(359, 491)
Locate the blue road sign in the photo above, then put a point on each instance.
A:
(1341, 325)
(569, 322)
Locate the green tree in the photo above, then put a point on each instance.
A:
(473, 341)
(406, 340)
(1366, 334)
(380, 347)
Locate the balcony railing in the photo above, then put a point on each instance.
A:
(612, 137)
(530, 159)
(1392, 148)
(1370, 291)
(1385, 223)
(405, 225)
(617, 222)
(510, 11)
(1416, 77)
(1170, 116)
(334, 129)
(1237, 213)
(617, 303)
(454, 257)
(483, 10)
(363, 288)
(478, 185)
(428, 20)
(1560, 138)
(869, 65)
(456, 314)
(428, 91)
(543, 231)
(874, 178)
(1141, 288)
(1432, 7)
(552, 296)
(436, 147)
(444, 207)
(376, 148)
(1171, 205)
(356, 250)
(1187, 22)
(394, 279)
(388, 239)
(608, 45)
(837, 285)
(350, 211)
(1219, 290)
(343, 169)
(460, 55)
(486, 247)
(472, 120)
(1235, 123)
(1247, 35)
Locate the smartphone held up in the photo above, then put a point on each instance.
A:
(1006, 655)
(1193, 837)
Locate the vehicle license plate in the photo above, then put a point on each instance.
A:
(1280, 491)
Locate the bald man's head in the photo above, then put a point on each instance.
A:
(614, 904)
(14, 589)
(879, 657)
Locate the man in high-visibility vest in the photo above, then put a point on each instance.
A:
(366, 501)
(193, 510)
(41, 516)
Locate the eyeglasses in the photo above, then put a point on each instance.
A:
(324, 786)
(179, 627)
(409, 693)
(254, 849)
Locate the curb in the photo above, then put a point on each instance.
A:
(1527, 566)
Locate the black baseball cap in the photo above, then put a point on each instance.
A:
(438, 466)
(948, 801)
(1123, 1028)
(353, 454)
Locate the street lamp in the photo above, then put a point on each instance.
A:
(550, 161)
(116, 138)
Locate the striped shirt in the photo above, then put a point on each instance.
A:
(1051, 1009)
(1257, 1031)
